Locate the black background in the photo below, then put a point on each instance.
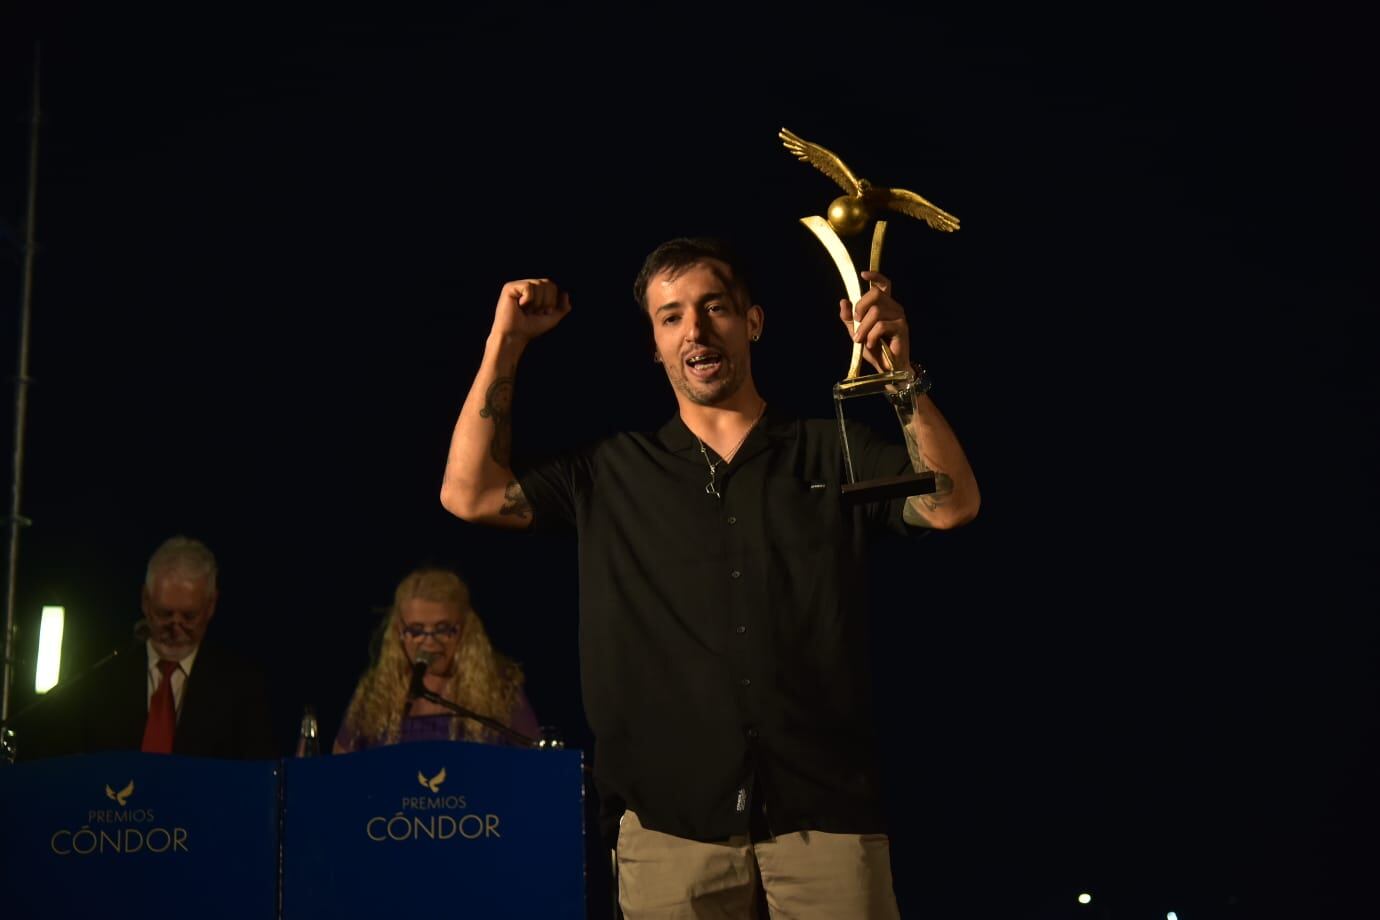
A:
(268, 257)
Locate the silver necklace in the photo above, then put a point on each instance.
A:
(711, 488)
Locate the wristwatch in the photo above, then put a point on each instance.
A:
(920, 383)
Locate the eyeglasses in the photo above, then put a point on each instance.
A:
(440, 631)
(164, 617)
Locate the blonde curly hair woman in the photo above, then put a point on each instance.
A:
(431, 611)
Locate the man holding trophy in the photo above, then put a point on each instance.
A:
(722, 610)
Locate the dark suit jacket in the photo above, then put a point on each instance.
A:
(224, 710)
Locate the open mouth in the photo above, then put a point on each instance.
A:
(704, 364)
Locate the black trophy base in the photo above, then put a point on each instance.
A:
(881, 490)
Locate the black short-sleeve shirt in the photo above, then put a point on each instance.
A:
(723, 640)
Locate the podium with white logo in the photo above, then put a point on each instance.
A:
(437, 828)
(119, 834)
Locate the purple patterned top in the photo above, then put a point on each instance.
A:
(437, 728)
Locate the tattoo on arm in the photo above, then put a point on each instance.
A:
(910, 512)
(515, 501)
(943, 483)
(498, 405)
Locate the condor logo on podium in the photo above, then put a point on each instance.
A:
(120, 831)
(434, 784)
(432, 816)
(122, 796)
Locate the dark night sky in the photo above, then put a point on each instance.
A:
(269, 255)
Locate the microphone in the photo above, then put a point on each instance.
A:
(419, 666)
(419, 690)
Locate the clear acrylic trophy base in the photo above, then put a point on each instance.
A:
(886, 386)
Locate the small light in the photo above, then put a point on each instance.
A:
(1085, 898)
(1171, 916)
(49, 649)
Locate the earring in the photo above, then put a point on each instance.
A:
(656, 359)
(757, 337)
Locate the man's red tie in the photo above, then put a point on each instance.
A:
(158, 730)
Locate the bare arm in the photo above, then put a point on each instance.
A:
(932, 444)
(934, 447)
(479, 485)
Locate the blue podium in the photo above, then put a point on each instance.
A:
(436, 828)
(112, 835)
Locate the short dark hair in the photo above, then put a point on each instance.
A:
(675, 256)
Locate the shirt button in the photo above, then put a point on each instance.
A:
(746, 681)
(732, 519)
(735, 574)
(740, 629)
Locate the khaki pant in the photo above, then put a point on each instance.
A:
(806, 874)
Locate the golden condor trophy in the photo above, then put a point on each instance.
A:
(848, 215)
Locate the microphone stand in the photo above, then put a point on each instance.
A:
(7, 750)
(509, 733)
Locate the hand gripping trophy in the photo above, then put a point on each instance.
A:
(848, 215)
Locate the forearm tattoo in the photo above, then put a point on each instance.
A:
(943, 483)
(515, 501)
(498, 405)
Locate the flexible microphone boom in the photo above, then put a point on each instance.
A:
(418, 690)
(138, 636)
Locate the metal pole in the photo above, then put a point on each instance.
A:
(21, 403)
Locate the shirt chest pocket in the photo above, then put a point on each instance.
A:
(800, 512)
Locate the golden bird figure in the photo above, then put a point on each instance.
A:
(849, 213)
(434, 784)
(120, 797)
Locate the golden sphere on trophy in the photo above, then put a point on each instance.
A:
(848, 215)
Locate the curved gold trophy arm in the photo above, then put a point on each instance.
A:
(844, 262)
